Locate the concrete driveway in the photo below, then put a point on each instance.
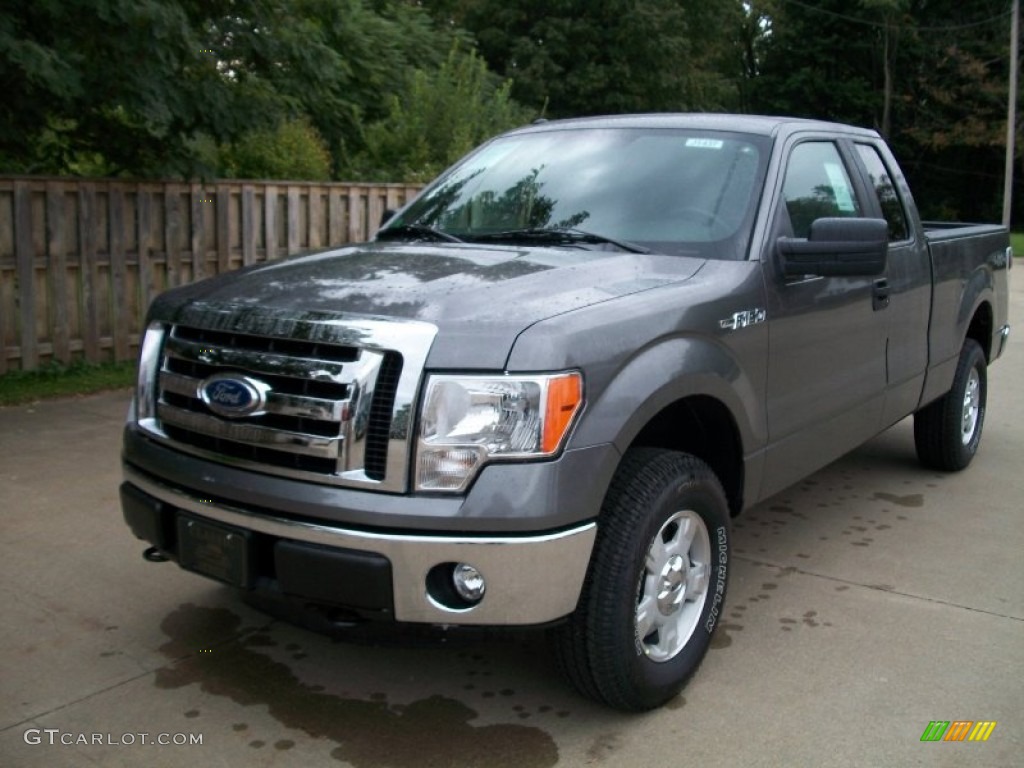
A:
(867, 601)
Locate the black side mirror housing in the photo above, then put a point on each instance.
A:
(386, 216)
(837, 247)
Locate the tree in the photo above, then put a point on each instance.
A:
(439, 116)
(138, 86)
(132, 81)
(580, 57)
(930, 75)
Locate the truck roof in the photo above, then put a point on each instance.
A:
(754, 124)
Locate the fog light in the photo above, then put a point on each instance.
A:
(469, 582)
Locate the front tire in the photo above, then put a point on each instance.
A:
(947, 432)
(656, 584)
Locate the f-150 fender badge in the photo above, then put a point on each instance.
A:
(234, 395)
(743, 319)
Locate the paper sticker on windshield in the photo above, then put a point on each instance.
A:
(841, 188)
(705, 143)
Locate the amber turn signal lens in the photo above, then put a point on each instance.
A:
(565, 394)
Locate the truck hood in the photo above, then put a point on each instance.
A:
(479, 297)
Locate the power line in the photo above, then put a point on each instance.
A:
(881, 25)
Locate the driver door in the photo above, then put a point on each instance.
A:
(827, 335)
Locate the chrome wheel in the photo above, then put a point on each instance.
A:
(972, 403)
(673, 587)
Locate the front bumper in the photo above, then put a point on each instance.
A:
(531, 579)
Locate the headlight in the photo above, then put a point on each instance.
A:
(467, 421)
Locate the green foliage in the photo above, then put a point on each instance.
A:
(138, 86)
(440, 115)
(391, 89)
(582, 57)
(57, 380)
(1017, 241)
(943, 65)
(293, 150)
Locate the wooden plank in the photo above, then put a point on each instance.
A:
(172, 234)
(270, 222)
(293, 220)
(316, 215)
(147, 280)
(355, 215)
(248, 225)
(224, 222)
(375, 211)
(89, 271)
(57, 267)
(196, 226)
(6, 300)
(395, 198)
(25, 268)
(119, 275)
(335, 217)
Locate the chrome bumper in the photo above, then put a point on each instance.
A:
(530, 579)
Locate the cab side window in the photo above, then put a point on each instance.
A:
(817, 186)
(888, 198)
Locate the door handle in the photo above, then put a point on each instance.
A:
(880, 294)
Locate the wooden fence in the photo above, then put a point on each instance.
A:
(80, 260)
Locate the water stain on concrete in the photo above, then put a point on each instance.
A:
(721, 638)
(604, 746)
(910, 500)
(432, 732)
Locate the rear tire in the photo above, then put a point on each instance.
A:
(947, 432)
(656, 584)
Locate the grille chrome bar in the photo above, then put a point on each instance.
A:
(249, 434)
(283, 404)
(257, 362)
(340, 391)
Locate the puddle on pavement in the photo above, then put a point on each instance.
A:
(435, 731)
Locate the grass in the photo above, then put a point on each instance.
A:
(1017, 241)
(61, 381)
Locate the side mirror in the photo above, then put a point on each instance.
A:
(837, 247)
(386, 216)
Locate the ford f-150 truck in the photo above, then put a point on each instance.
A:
(542, 392)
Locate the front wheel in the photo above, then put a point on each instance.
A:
(947, 432)
(656, 584)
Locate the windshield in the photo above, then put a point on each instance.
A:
(669, 190)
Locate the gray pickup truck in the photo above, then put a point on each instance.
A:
(541, 394)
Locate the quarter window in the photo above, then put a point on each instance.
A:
(817, 186)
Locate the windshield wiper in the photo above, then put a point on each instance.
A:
(569, 235)
(418, 231)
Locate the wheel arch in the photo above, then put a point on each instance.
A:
(686, 394)
(702, 426)
(982, 327)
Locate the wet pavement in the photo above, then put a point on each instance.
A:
(865, 602)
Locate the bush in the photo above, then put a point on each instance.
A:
(293, 151)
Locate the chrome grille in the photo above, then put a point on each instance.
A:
(328, 412)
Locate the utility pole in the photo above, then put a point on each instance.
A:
(1011, 115)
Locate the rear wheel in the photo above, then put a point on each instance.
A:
(947, 432)
(656, 584)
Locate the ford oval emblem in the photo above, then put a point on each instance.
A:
(233, 395)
